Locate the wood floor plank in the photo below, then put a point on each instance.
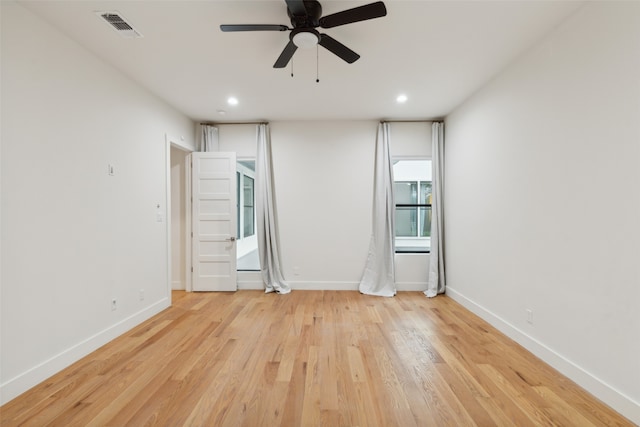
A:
(309, 358)
(530, 407)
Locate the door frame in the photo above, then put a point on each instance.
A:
(189, 230)
(171, 141)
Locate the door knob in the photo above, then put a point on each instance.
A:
(231, 239)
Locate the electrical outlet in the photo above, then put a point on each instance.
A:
(529, 316)
(141, 295)
(114, 304)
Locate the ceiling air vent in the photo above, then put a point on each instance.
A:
(119, 24)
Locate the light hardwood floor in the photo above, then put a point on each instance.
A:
(309, 358)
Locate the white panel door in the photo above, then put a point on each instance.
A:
(214, 221)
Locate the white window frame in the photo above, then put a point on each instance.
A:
(248, 243)
(412, 241)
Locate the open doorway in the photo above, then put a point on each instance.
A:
(247, 258)
(179, 224)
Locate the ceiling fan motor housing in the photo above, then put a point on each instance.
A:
(311, 19)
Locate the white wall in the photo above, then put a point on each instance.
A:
(74, 237)
(542, 201)
(238, 138)
(323, 172)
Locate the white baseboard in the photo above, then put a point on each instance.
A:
(34, 376)
(250, 281)
(351, 286)
(323, 286)
(250, 286)
(411, 286)
(600, 389)
(177, 285)
(253, 281)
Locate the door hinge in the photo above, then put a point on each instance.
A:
(192, 269)
(192, 234)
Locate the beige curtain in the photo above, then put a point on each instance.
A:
(209, 138)
(436, 283)
(379, 273)
(267, 224)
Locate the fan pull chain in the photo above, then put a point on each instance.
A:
(317, 65)
(291, 67)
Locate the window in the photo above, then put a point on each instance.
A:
(247, 243)
(247, 204)
(412, 191)
(246, 214)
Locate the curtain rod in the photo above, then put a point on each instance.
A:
(233, 123)
(266, 123)
(412, 121)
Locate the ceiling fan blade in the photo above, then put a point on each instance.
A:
(297, 7)
(357, 14)
(253, 27)
(334, 46)
(286, 55)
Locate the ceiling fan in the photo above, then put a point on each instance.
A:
(306, 16)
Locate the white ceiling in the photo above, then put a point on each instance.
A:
(438, 53)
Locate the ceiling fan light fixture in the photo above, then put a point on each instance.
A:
(305, 39)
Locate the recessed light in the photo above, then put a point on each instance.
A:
(401, 99)
(232, 100)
